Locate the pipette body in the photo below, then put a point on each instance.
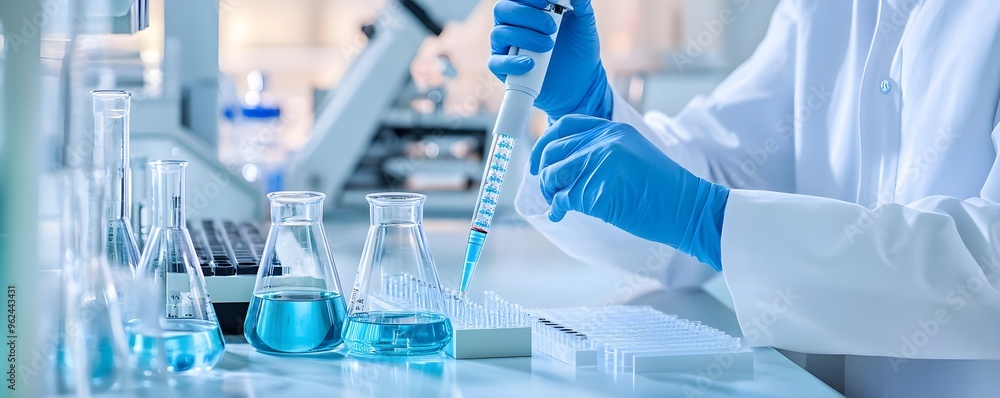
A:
(512, 120)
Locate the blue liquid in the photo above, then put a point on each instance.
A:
(397, 333)
(295, 321)
(486, 203)
(476, 240)
(98, 356)
(182, 345)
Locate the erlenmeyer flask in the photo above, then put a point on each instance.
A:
(91, 351)
(297, 305)
(111, 135)
(188, 337)
(384, 318)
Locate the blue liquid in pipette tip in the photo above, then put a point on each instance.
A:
(486, 205)
(476, 240)
(397, 333)
(295, 321)
(187, 345)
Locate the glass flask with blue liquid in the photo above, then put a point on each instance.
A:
(382, 319)
(91, 354)
(297, 305)
(181, 333)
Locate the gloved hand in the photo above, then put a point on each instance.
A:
(576, 81)
(610, 171)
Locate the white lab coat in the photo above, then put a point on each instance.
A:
(861, 140)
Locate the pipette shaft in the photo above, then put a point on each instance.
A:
(512, 120)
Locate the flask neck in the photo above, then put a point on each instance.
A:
(296, 207)
(387, 209)
(111, 134)
(410, 214)
(168, 201)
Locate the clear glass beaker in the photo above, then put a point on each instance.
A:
(297, 304)
(386, 316)
(111, 136)
(185, 335)
(91, 350)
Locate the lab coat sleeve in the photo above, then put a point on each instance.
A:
(823, 276)
(754, 100)
(741, 134)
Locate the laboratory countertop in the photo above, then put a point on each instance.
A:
(535, 275)
(244, 372)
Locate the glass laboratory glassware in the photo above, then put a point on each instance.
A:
(297, 305)
(91, 350)
(111, 135)
(185, 335)
(382, 321)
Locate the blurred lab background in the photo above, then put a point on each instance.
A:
(279, 61)
(350, 97)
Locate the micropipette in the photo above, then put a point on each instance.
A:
(518, 98)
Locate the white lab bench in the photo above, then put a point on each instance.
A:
(247, 373)
(522, 266)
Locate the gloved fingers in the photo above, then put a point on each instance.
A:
(503, 65)
(560, 176)
(504, 36)
(560, 206)
(561, 149)
(564, 127)
(528, 16)
(582, 7)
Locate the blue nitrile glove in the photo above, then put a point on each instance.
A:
(576, 81)
(608, 170)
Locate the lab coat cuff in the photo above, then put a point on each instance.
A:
(623, 112)
(743, 272)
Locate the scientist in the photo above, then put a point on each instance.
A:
(844, 179)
